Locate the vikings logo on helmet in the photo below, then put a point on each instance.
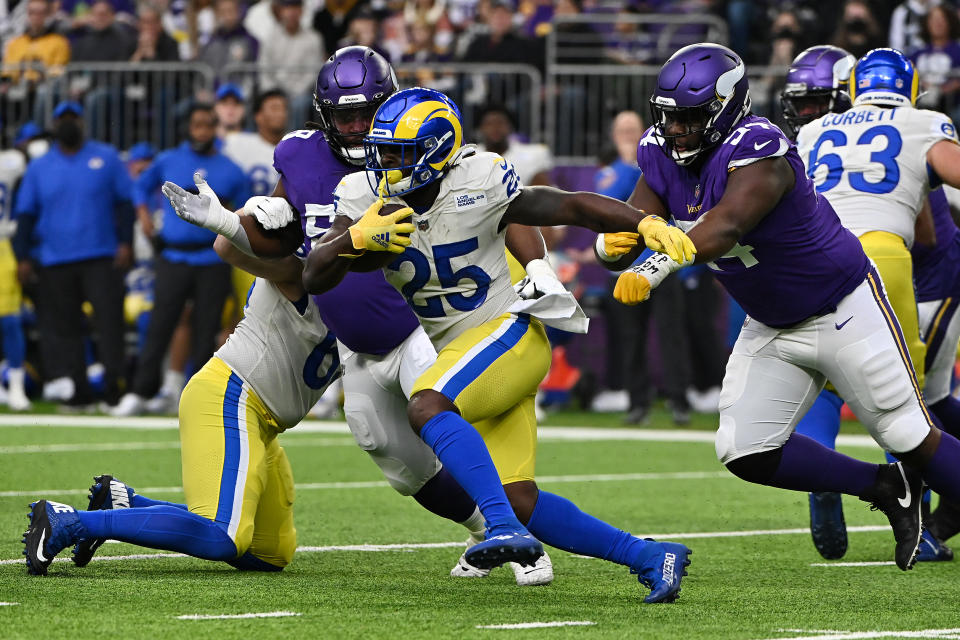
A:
(414, 135)
(817, 84)
(884, 77)
(705, 87)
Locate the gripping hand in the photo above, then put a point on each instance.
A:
(619, 244)
(382, 233)
(632, 287)
(271, 212)
(663, 238)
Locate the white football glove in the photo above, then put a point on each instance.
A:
(540, 281)
(270, 212)
(204, 210)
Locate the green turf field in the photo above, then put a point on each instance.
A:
(755, 573)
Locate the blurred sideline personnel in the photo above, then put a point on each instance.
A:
(381, 345)
(187, 267)
(496, 127)
(252, 151)
(816, 305)
(83, 246)
(236, 477)
(628, 365)
(230, 110)
(492, 347)
(892, 187)
(13, 163)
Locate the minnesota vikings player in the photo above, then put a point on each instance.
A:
(816, 306)
(492, 352)
(893, 201)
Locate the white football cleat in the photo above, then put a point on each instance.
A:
(130, 405)
(540, 573)
(464, 569)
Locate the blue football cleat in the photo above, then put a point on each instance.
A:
(827, 526)
(663, 572)
(53, 527)
(932, 550)
(502, 547)
(106, 493)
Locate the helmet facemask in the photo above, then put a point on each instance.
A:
(693, 121)
(355, 118)
(397, 167)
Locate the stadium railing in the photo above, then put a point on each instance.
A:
(123, 103)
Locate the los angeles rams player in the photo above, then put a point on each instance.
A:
(816, 305)
(492, 355)
(236, 477)
(820, 73)
(13, 163)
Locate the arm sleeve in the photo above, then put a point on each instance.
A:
(353, 196)
(501, 187)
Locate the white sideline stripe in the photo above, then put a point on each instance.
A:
(413, 546)
(370, 484)
(853, 564)
(538, 625)
(867, 635)
(138, 446)
(329, 426)
(238, 616)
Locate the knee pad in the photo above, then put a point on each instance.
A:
(876, 373)
(756, 467)
(902, 430)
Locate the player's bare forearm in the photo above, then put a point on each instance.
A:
(525, 243)
(924, 231)
(944, 158)
(328, 263)
(281, 271)
(752, 192)
(546, 207)
(644, 199)
(272, 243)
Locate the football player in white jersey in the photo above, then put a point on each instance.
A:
(492, 346)
(13, 163)
(236, 477)
(253, 151)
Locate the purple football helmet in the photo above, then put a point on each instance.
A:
(351, 85)
(702, 89)
(817, 84)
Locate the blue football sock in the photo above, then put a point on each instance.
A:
(464, 454)
(561, 524)
(942, 472)
(948, 411)
(140, 501)
(443, 496)
(822, 421)
(14, 344)
(161, 527)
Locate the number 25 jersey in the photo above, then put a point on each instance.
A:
(454, 274)
(871, 164)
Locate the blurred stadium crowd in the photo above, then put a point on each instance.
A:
(102, 101)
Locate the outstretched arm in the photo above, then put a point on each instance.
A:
(546, 206)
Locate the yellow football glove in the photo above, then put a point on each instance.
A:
(382, 233)
(632, 288)
(663, 238)
(619, 244)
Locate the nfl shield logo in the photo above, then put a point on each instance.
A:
(696, 192)
(423, 225)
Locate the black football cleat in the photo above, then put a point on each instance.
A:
(106, 493)
(897, 492)
(827, 526)
(53, 527)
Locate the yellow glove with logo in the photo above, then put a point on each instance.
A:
(381, 232)
(663, 238)
(632, 288)
(619, 244)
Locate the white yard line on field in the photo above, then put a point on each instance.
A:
(853, 564)
(238, 616)
(867, 635)
(370, 484)
(538, 625)
(578, 434)
(414, 546)
(8, 604)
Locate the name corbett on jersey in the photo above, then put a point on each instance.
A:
(856, 117)
(470, 200)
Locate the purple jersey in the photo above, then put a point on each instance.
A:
(364, 311)
(798, 262)
(936, 268)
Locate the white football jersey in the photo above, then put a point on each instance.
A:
(12, 167)
(255, 156)
(871, 164)
(288, 356)
(454, 274)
